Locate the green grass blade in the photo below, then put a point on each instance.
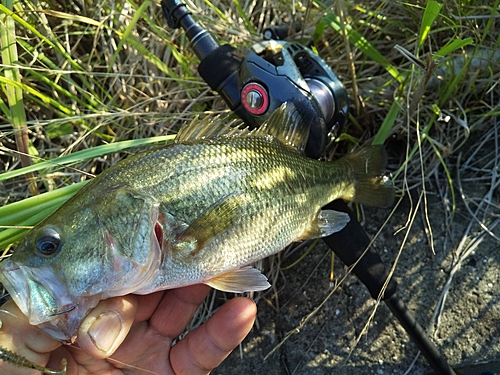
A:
(452, 86)
(363, 44)
(72, 17)
(387, 124)
(448, 178)
(63, 110)
(452, 46)
(415, 147)
(11, 235)
(149, 55)
(244, 16)
(4, 108)
(83, 99)
(302, 257)
(11, 77)
(128, 31)
(13, 90)
(17, 212)
(491, 23)
(220, 14)
(431, 12)
(54, 43)
(31, 211)
(86, 154)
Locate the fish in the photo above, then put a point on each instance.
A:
(202, 209)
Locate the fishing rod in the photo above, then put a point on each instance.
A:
(257, 82)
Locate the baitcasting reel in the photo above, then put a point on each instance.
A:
(270, 73)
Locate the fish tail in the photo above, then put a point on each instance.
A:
(370, 186)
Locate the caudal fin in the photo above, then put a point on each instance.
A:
(371, 186)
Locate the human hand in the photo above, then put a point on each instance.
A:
(134, 335)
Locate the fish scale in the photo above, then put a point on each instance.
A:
(200, 210)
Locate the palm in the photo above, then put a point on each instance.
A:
(144, 351)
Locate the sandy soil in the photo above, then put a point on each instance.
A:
(469, 328)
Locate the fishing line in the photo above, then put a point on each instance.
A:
(64, 311)
(113, 361)
(125, 365)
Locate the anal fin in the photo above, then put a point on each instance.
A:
(245, 279)
(326, 223)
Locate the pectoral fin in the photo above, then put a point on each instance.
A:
(215, 220)
(245, 279)
(326, 222)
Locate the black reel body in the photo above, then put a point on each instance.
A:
(273, 72)
(270, 73)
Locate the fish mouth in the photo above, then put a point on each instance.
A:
(45, 302)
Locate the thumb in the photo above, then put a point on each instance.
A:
(106, 326)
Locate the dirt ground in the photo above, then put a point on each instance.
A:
(469, 325)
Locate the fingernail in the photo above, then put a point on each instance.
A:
(105, 330)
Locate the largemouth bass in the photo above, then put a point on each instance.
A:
(201, 210)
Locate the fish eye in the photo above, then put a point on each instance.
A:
(48, 243)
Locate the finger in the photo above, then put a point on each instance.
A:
(147, 305)
(23, 339)
(206, 347)
(106, 326)
(177, 308)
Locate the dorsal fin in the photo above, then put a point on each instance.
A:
(288, 125)
(211, 127)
